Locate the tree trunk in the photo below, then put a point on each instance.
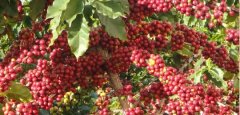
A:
(117, 84)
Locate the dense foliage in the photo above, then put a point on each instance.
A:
(130, 57)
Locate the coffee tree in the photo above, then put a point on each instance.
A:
(130, 57)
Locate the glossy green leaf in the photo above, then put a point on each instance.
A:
(209, 63)
(18, 92)
(57, 8)
(217, 77)
(114, 27)
(55, 11)
(54, 26)
(74, 8)
(78, 37)
(112, 8)
(88, 13)
(36, 7)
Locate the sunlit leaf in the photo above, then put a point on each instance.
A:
(74, 8)
(78, 36)
(111, 8)
(18, 92)
(114, 27)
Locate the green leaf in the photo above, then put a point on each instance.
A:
(114, 104)
(209, 63)
(18, 92)
(229, 21)
(197, 75)
(236, 83)
(27, 21)
(88, 14)
(114, 27)
(9, 7)
(55, 11)
(74, 7)
(228, 76)
(57, 8)
(174, 97)
(234, 53)
(198, 64)
(63, 10)
(1, 111)
(36, 7)
(85, 108)
(217, 77)
(169, 16)
(54, 26)
(94, 95)
(202, 23)
(185, 51)
(43, 112)
(230, 2)
(1, 9)
(112, 8)
(189, 20)
(186, 19)
(78, 37)
(217, 37)
(192, 21)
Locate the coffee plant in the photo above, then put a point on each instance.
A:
(119, 57)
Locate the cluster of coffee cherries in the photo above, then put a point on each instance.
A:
(211, 10)
(134, 111)
(120, 61)
(57, 71)
(173, 83)
(103, 102)
(233, 36)
(196, 39)
(65, 104)
(220, 56)
(177, 41)
(14, 108)
(8, 73)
